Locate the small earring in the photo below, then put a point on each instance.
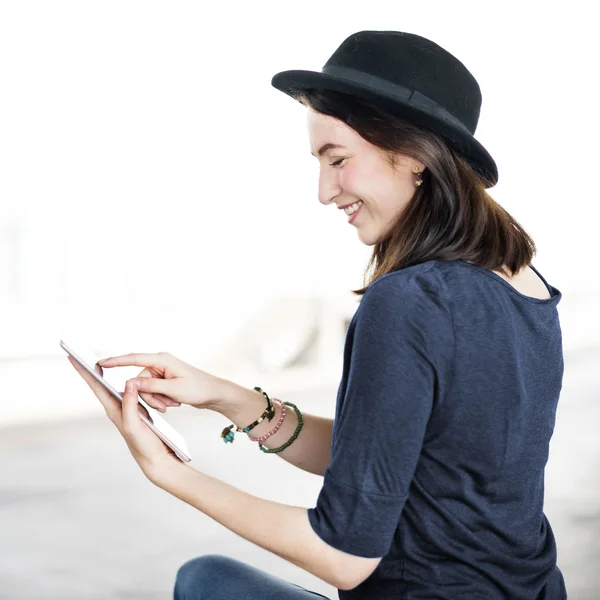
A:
(419, 180)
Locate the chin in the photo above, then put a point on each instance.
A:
(368, 238)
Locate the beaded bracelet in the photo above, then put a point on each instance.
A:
(269, 407)
(265, 437)
(289, 442)
(228, 434)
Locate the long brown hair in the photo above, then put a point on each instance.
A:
(451, 215)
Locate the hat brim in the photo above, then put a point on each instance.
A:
(460, 139)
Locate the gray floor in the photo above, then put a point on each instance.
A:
(79, 520)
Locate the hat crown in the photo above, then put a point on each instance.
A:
(416, 63)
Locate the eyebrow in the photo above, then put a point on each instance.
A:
(325, 147)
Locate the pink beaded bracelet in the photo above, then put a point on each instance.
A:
(268, 435)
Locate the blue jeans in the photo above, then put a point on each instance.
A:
(215, 577)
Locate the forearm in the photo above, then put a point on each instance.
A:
(279, 528)
(310, 451)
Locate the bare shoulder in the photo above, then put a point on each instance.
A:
(528, 283)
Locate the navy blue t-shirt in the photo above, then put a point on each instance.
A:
(444, 415)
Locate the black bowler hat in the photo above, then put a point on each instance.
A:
(410, 76)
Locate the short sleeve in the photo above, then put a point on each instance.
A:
(395, 362)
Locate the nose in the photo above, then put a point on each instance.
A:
(329, 188)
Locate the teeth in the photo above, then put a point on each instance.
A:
(353, 208)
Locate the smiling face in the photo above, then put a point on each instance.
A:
(358, 172)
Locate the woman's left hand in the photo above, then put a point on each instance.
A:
(146, 447)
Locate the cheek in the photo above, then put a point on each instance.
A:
(348, 181)
(392, 197)
(383, 197)
(359, 184)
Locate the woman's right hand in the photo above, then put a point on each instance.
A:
(168, 381)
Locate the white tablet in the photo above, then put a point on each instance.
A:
(151, 417)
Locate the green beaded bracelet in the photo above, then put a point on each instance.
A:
(282, 448)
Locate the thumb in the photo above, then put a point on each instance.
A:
(131, 418)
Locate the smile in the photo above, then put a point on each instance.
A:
(353, 207)
(353, 210)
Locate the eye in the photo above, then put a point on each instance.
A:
(337, 162)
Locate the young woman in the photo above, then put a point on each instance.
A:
(434, 464)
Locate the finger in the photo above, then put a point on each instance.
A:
(168, 401)
(154, 403)
(150, 400)
(154, 385)
(137, 359)
(147, 397)
(111, 405)
(147, 387)
(164, 400)
(131, 419)
(158, 401)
